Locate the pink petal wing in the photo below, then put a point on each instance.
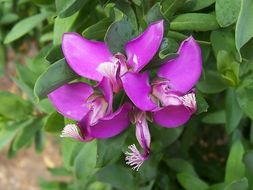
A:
(113, 124)
(138, 89)
(184, 71)
(69, 99)
(84, 56)
(172, 116)
(142, 49)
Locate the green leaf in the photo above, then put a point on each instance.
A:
(218, 117)
(26, 75)
(118, 34)
(170, 7)
(128, 11)
(47, 37)
(247, 159)
(202, 105)
(234, 167)
(38, 64)
(14, 107)
(181, 166)
(165, 137)
(233, 111)
(25, 88)
(195, 5)
(24, 26)
(227, 39)
(251, 132)
(52, 185)
(2, 59)
(227, 11)
(218, 186)
(39, 140)
(43, 2)
(241, 184)
(59, 171)
(244, 29)
(212, 83)
(228, 68)
(109, 150)
(247, 50)
(55, 54)
(54, 123)
(45, 106)
(10, 130)
(154, 14)
(8, 18)
(66, 8)
(244, 97)
(62, 25)
(137, 2)
(149, 170)
(69, 150)
(190, 182)
(55, 76)
(98, 30)
(117, 176)
(11, 151)
(194, 21)
(85, 162)
(27, 134)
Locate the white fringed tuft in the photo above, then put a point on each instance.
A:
(189, 100)
(134, 158)
(71, 130)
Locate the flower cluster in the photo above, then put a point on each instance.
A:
(168, 99)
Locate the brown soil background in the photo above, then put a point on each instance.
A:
(23, 171)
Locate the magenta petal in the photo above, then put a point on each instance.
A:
(184, 71)
(84, 56)
(172, 116)
(142, 49)
(113, 124)
(106, 87)
(69, 99)
(138, 89)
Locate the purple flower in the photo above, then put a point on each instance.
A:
(93, 60)
(92, 109)
(170, 99)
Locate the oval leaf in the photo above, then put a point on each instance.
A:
(227, 11)
(56, 75)
(190, 182)
(24, 26)
(244, 29)
(235, 167)
(195, 22)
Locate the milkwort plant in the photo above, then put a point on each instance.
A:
(169, 102)
(122, 72)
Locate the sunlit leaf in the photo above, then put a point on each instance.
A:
(24, 26)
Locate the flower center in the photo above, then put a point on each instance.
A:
(114, 70)
(168, 97)
(98, 107)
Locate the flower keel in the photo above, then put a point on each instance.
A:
(134, 158)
